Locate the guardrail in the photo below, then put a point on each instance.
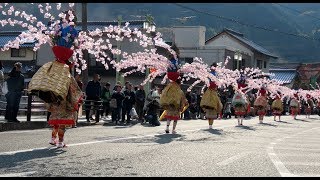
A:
(32, 104)
(28, 104)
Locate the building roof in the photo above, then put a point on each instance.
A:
(282, 75)
(244, 40)
(6, 36)
(92, 25)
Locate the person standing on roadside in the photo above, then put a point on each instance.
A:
(93, 92)
(140, 99)
(15, 84)
(106, 97)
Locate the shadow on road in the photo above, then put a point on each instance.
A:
(284, 122)
(301, 120)
(11, 161)
(268, 124)
(214, 131)
(246, 127)
(167, 138)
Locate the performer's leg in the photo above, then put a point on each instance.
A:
(210, 123)
(54, 133)
(174, 127)
(61, 132)
(168, 124)
(241, 120)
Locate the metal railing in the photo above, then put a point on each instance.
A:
(32, 104)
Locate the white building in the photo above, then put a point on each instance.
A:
(191, 42)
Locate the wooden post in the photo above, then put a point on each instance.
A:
(85, 52)
(29, 107)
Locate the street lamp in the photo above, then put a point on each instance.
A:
(238, 57)
(149, 24)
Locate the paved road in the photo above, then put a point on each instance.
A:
(286, 148)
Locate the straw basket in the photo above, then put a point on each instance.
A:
(51, 82)
(171, 96)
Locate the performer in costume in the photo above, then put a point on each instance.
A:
(239, 102)
(55, 85)
(295, 106)
(260, 104)
(211, 103)
(309, 104)
(172, 98)
(277, 107)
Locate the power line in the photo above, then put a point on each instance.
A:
(245, 24)
(297, 11)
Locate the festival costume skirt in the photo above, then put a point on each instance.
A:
(308, 110)
(294, 110)
(240, 110)
(261, 110)
(172, 113)
(65, 113)
(211, 113)
(276, 111)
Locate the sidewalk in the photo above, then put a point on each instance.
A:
(39, 122)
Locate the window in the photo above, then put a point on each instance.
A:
(241, 64)
(265, 64)
(18, 52)
(186, 60)
(259, 64)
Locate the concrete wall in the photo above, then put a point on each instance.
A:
(208, 55)
(233, 44)
(189, 36)
(6, 55)
(45, 54)
(264, 58)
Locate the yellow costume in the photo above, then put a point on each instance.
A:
(211, 103)
(172, 100)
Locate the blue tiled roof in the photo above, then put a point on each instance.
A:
(284, 66)
(283, 76)
(5, 38)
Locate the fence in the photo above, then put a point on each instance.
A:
(32, 104)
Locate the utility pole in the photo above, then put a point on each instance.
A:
(118, 74)
(85, 52)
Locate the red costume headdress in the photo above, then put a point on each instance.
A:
(262, 92)
(308, 96)
(213, 85)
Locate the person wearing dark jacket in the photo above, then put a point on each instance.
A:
(15, 84)
(93, 92)
(140, 98)
(118, 96)
(128, 103)
(106, 97)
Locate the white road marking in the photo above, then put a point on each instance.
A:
(101, 141)
(299, 155)
(298, 149)
(232, 159)
(23, 174)
(284, 172)
(302, 163)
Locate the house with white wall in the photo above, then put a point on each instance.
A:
(192, 43)
(24, 54)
